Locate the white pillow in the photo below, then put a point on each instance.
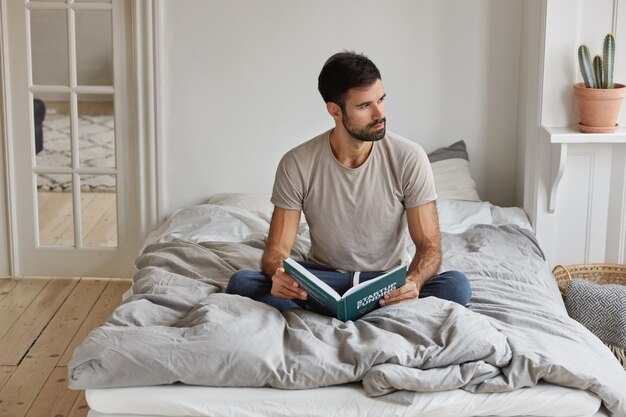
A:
(511, 215)
(254, 202)
(457, 216)
(451, 171)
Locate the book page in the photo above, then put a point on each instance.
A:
(371, 281)
(315, 280)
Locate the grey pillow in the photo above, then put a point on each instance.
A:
(451, 171)
(600, 308)
(456, 150)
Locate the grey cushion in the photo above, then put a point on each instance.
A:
(456, 150)
(600, 308)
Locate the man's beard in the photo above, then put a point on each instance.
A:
(365, 134)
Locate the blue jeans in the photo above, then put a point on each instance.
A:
(449, 285)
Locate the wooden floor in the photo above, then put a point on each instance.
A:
(42, 321)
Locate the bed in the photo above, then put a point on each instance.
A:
(178, 346)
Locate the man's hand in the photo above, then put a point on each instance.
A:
(283, 286)
(409, 291)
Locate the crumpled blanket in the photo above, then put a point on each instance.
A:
(259, 347)
(179, 326)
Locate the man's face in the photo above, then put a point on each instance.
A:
(363, 115)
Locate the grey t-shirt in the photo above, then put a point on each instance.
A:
(356, 216)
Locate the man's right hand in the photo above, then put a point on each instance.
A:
(283, 286)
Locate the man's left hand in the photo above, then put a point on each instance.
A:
(408, 291)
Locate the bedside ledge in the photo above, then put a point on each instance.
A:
(560, 137)
(573, 135)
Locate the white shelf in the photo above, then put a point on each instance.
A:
(560, 137)
(573, 135)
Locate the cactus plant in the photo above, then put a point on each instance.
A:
(600, 75)
(585, 66)
(608, 57)
(598, 99)
(597, 70)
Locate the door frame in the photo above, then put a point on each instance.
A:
(143, 90)
(7, 210)
(146, 32)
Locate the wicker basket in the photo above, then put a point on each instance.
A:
(597, 273)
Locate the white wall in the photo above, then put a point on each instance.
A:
(239, 84)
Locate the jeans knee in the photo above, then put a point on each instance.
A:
(462, 287)
(240, 281)
(449, 285)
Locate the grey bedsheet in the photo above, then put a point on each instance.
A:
(179, 326)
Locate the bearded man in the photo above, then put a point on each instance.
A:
(359, 187)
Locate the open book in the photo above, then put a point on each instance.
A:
(358, 300)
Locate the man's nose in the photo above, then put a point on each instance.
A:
(378, 111)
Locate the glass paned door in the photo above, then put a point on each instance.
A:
(71, 84)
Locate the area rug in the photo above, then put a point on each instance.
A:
(96, 144)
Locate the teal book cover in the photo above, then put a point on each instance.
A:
(357, 301)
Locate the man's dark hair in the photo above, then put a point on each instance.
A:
(343, 71)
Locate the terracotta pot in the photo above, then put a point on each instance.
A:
(599, 108)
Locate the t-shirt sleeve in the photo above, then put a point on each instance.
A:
(417, 180)
(288, 188)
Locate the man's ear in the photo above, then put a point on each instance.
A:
(334, 110)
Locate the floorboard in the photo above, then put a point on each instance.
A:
(54, 399)
(104, 306)
(25, 331)
(49, 318)
(5, 374)
(80, 408)
(19, 296)
(6, 285)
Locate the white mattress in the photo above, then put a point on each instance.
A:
(344, 400)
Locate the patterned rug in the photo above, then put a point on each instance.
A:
(96, 149)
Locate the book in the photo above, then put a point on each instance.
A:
(357, 301)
